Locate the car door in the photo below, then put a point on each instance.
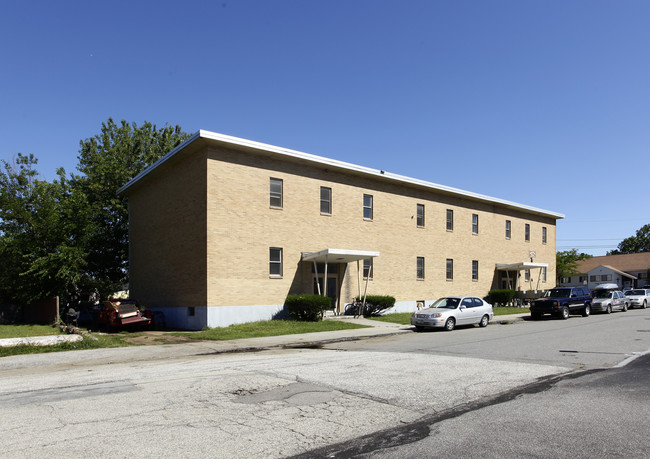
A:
(468, 311)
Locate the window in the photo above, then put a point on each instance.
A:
(367, 268)
(592, 278)
(605, 277)
(543, 235)
(450, 220)
(450, 269)
(543, 274)
(474, 223)
(325, 200)
(527, 232)
(367, 206)
(420, 267)
(474, 270)
(275, 187)
(508, 229)
(275, 262)
(527, 275)
(420, 215)
(467, 302)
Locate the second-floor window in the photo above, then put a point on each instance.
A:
(508, 229)
(474, 223)
(275, 192)
(420, 215)
(325, 200)
(543, 235)
(367, 206)
(450, 220)
(527, 232)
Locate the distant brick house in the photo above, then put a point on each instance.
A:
(222, 229)
(627, 271)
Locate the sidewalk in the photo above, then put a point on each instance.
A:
(164, 351)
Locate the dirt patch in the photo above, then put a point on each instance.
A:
(155, 337)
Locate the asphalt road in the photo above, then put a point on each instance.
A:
(409, 388)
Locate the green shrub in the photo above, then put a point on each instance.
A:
(307, 308)
(501, 297)
(376, 304)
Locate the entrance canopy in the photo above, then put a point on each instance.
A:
(520, 266)
(338, 255)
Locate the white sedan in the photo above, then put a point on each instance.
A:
(448, 312)
(639, 298)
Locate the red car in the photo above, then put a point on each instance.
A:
(117, 313)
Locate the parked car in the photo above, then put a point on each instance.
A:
(117, 313)
(562, 302)
(607, 298)
(638, 298)
(448, 312)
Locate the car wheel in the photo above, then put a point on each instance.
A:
(609, 309)
(450, 324)
(485, 320)
(624, 307)
(535, 315)
(645, 303)
(565, 313)
(418, 328)
(586, 311)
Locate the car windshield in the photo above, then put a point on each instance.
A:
(635, 292)
(446, 303)
(558, 293)
(602, 293)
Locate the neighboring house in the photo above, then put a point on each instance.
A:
(222, 229)
(627, 271)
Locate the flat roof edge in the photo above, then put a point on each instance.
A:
(226, 139)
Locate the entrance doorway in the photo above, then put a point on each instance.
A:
(332, 290)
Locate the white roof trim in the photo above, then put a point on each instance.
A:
(222, 138)
(338, 255)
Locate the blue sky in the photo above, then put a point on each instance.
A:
(545, 103)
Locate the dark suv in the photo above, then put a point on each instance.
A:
(563, 301)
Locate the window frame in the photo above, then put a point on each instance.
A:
(474, 223)
(420, 215)
(327, 201)
(368, 268)
(276, 262)
(450, 219)
(273, 194)
(527, 232)
(544, 234)
(508, 229)
(419, 268)
(369, 208)
(475, 270)
(449, 269)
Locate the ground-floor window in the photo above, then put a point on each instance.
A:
(420, 268)
(450, 269)
(474, 270)
(275, 261)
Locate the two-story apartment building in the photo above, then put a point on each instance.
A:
(222, 229)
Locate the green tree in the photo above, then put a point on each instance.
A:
(634, 244)
(69, 237)
(40, 247)
(108, 161)
(567, 263)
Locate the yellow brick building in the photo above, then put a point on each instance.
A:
(222, 229)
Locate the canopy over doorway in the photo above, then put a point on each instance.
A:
(343, 256)
(518, 267)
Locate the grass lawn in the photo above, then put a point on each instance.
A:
(20, 331)
(94, 342)
(268, 328)
(404, 318)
